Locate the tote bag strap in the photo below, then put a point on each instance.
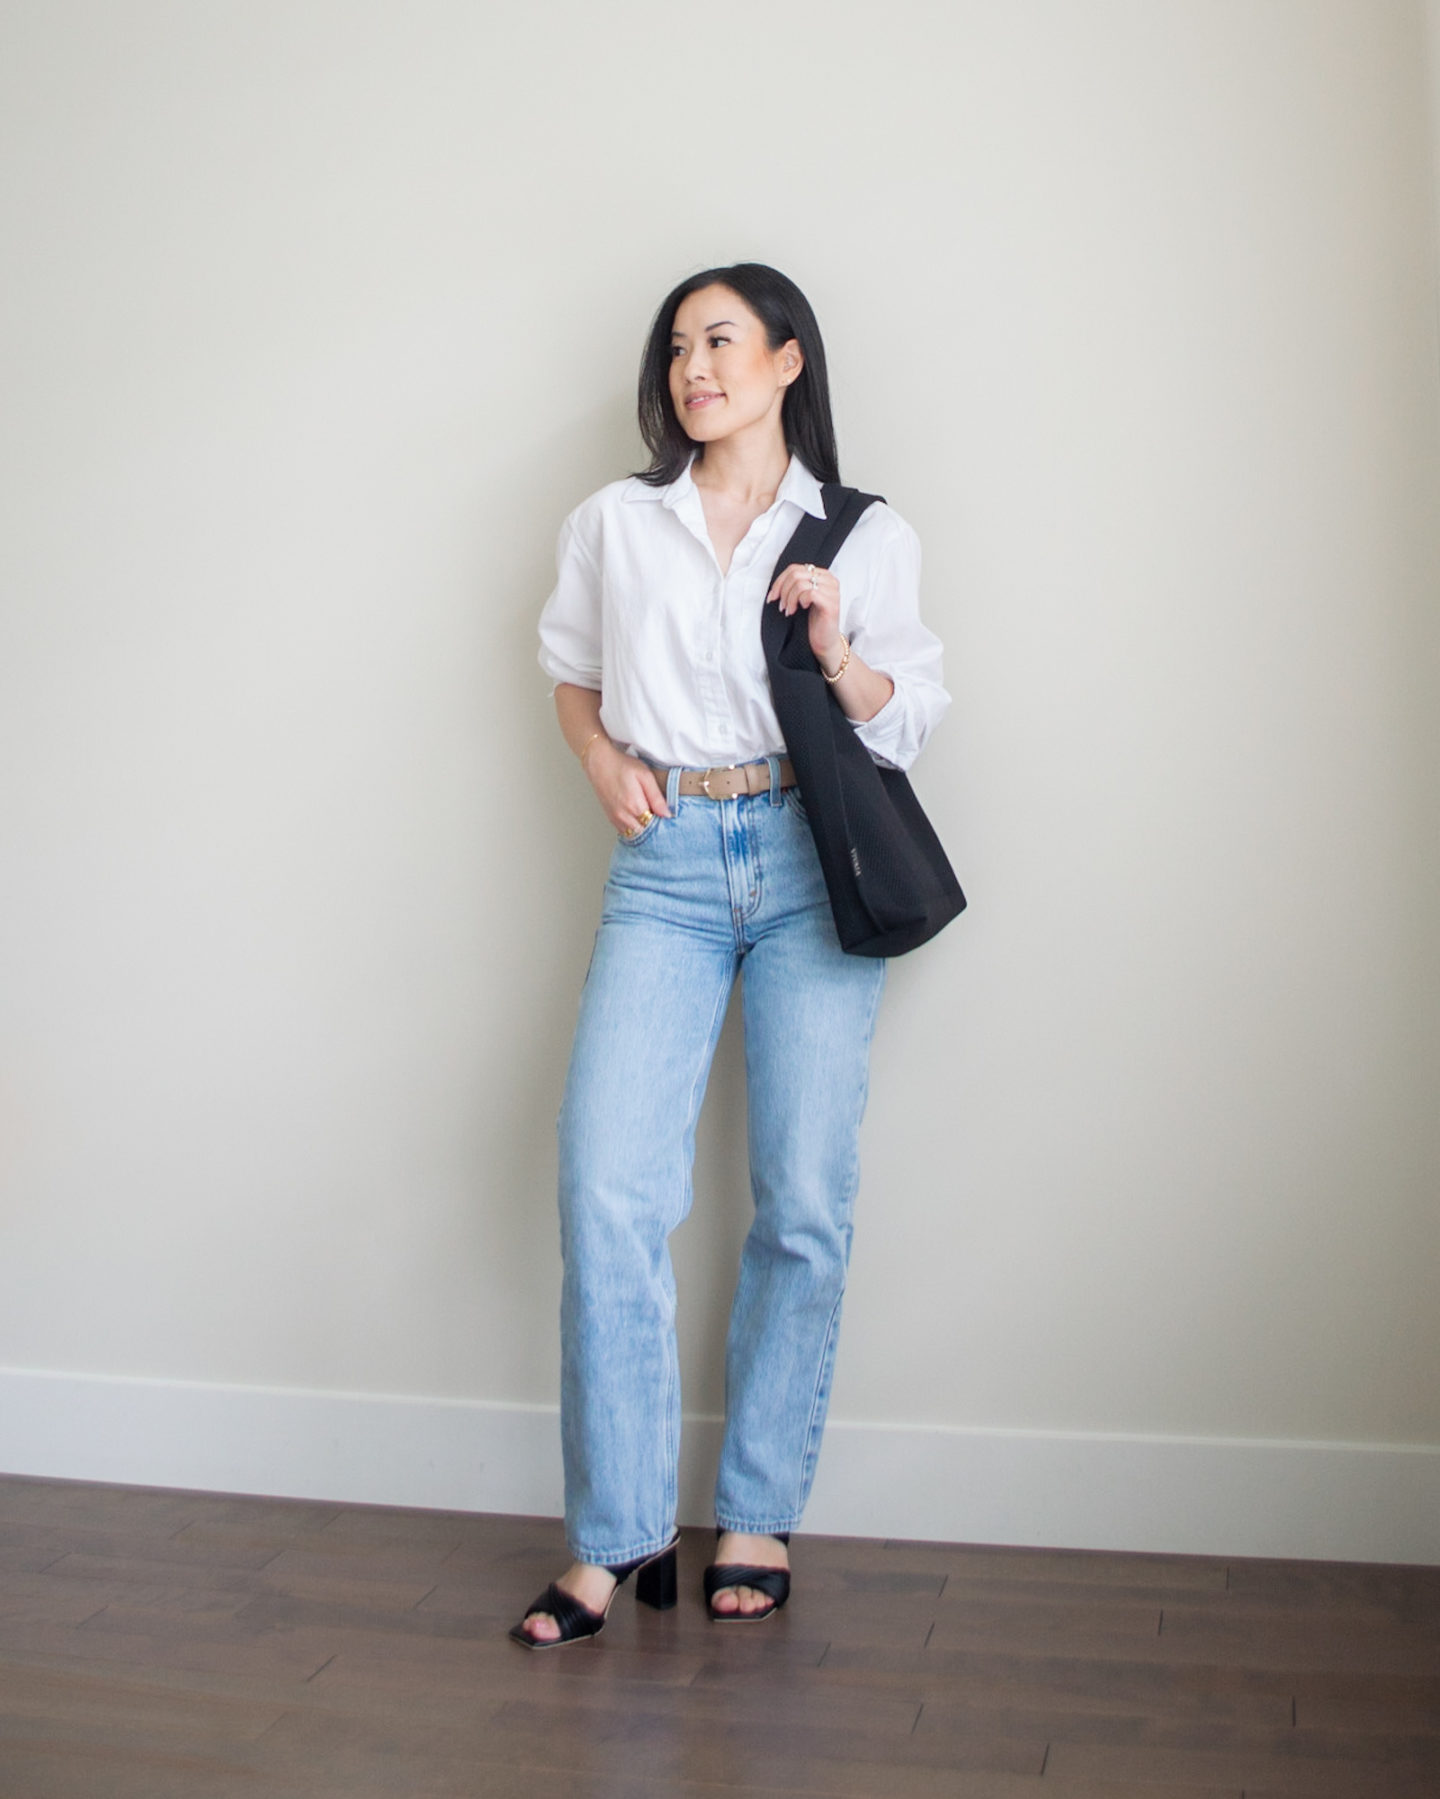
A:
(818, 540)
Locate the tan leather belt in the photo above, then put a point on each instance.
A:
(728, 783)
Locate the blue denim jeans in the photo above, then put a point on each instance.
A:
(719, 889)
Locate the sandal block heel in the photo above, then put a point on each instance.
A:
(657, 1583)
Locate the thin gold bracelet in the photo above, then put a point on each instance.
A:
(593, 738)
(844, 662)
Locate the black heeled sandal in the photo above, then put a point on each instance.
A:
(657, 1585)
(774, 1583)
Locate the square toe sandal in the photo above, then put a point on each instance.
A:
(656, 1585)
(774, 1583)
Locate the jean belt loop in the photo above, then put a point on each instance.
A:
(776, 797)
(672, 789)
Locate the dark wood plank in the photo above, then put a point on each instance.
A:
(117, 1574)
(1074, 1567)
(665, 1744)
(1389, 1716)
(1045, 1622)
(56, 1538)
(106, 1705)
(1279, 1770)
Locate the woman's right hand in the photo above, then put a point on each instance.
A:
(626, 788)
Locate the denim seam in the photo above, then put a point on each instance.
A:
(669, 1496)
(819, 1401)
(672, 1383)
(757, 887)
(819, 1405)
(697, 1090)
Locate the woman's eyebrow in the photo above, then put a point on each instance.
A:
(715, 327)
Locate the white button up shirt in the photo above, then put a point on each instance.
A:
(642, 613)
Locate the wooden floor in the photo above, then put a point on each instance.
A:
(160, 1645)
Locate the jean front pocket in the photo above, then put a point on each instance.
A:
(633, 839)
(795, 803)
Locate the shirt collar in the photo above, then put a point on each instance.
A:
(801, 486)
(679, 490)
(797, 484)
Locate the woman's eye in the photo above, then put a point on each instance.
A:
(715, 342)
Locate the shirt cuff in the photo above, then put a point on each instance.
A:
(561, 671)
(883, 734)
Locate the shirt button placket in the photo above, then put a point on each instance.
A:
(718, 723)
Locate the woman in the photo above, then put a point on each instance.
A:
(652, 636)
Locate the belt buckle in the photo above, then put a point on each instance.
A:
(725, 769)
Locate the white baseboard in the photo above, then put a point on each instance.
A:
(1207, 1496)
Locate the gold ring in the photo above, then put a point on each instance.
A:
(646, 817)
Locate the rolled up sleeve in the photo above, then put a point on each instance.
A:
(572, 623)
(883, 623)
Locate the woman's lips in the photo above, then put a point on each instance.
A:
(693, 402)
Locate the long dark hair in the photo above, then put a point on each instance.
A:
(785, 313)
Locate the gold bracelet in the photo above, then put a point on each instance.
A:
(593, 738)
(844, 662)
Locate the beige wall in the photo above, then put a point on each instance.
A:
(317, 319)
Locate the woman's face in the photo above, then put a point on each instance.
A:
(724, 377)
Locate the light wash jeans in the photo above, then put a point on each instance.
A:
(692, 900)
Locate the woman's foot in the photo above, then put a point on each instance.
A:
(592, 1587)
(573, 1608)
(755, 1552)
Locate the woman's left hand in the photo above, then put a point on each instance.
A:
(802, 584)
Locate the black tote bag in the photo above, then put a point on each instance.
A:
(890, 882)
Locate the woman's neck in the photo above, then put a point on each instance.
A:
(747, 474)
